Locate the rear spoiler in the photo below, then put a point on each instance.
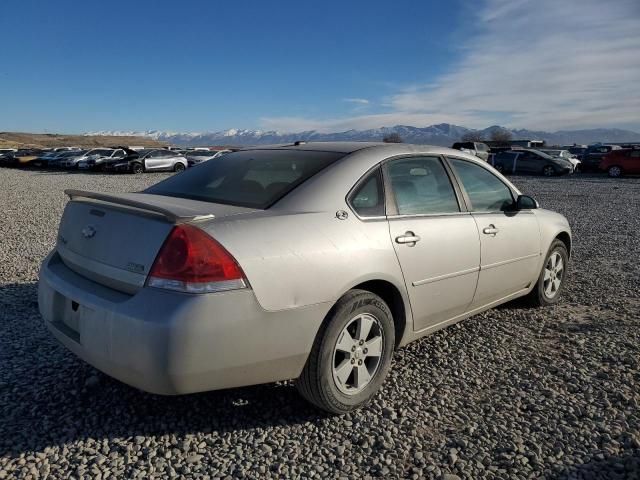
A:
(127, 202)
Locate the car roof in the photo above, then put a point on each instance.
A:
(351, 147)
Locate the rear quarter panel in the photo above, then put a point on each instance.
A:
(306, 258)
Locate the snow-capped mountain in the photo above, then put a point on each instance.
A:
(443, 134)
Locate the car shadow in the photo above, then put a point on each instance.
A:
(48, 397)
(609, 467)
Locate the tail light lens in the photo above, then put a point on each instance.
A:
(193, 262)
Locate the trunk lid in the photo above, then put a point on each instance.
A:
(114, 239)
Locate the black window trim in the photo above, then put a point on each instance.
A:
(467, 199)
(392, 208)
(361, 181)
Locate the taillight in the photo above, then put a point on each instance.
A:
(191, 261)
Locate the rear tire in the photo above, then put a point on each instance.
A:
(137, 168)
(552, 278)
(178, 167)
(614, 171)
(341, 374)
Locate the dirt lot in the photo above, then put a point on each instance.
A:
(51, 140)
(511, 393)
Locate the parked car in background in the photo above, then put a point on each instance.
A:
(530, 161)
(8, 158)
(62, 149)
(73, 161)
(198, 156)
(67, 158)
(25, 156)
(577, 150)
(130, 163)
(97, 161)
(621, 162)
(479, 149)
(294, 262)
(594, 154)
(156, 160)
(46, 158)
(565, 155)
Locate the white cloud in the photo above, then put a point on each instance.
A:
(359, 101)
(542, 64)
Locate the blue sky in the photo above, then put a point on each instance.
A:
(72, 66)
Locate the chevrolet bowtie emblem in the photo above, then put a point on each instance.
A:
(89, 231)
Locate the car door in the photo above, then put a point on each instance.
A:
(168, 160)
(153, 161)
(435, 239)
(509, 239)
(631, 162)
(528, 162)
(507, 161)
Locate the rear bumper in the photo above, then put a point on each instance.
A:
(172, 343)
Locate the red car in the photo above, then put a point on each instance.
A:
(621, 162)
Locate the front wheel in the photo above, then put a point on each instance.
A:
(351, 355)
(548, 171)
(179, 167)
(615, 171)
(137, 168)
(552, 277)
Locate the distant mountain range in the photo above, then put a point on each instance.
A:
(443, 134)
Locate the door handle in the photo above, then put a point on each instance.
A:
(408, 238)
(490, 230)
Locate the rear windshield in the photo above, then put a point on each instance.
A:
(254, 179)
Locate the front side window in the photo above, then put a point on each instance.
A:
(250, 178)
(367, 200)
(421, 186)
(486, 191)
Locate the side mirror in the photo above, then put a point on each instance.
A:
(525, 202)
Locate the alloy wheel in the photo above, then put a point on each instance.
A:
(553, 274)
(615, 171)
(358, 353)
(548, 171)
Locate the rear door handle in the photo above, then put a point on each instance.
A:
(408, 238)
(490, 230)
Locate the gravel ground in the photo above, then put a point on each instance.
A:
(511, 393)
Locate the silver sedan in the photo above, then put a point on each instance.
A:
(306, 261)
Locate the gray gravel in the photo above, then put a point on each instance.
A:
(512, 393)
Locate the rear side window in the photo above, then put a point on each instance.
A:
(253, 178)
(421, 186)
(486, 191)
(367, 200)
